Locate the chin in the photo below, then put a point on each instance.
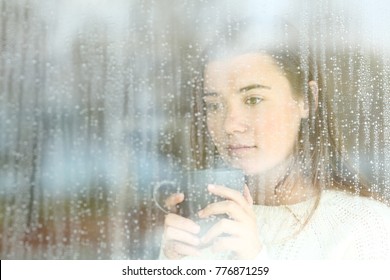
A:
(250, 167)
(254, 166)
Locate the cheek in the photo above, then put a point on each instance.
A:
(278, 129)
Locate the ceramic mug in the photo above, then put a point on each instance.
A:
(193, 184)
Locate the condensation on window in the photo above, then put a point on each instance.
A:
(96, 104)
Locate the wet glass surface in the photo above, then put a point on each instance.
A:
(95, 107)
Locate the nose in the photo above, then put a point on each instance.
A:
(235, 120)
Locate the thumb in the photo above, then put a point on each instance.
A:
(171, 202)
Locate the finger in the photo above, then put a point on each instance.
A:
(247, 195)
(171, 202)
(236, 245)
(223, 226)
(179, 222)
(231, 208)
(226, 244)
(170, 252)
(230, 194)
(172, 233)
(177, 250)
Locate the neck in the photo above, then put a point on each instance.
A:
(283, 185)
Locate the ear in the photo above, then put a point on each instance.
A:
(313, 90)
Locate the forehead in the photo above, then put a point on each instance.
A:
(241, 69)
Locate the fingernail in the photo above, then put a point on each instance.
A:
(211, 186)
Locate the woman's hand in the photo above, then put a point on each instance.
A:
(180, 237)
(243, 235)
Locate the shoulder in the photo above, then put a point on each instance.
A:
(353, 209)
(363, 224)
(349, 204)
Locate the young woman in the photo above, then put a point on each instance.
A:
(266, 113)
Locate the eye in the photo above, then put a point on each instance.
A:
(213, 106)
(253, 100)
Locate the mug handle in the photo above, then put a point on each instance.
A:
(155, 194)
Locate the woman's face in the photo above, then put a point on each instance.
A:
(252, 114)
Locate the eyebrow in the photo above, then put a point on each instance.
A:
(253, 86)
(241, 90)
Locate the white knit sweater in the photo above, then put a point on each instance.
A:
(342, 226)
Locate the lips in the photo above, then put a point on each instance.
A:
(239, 148)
